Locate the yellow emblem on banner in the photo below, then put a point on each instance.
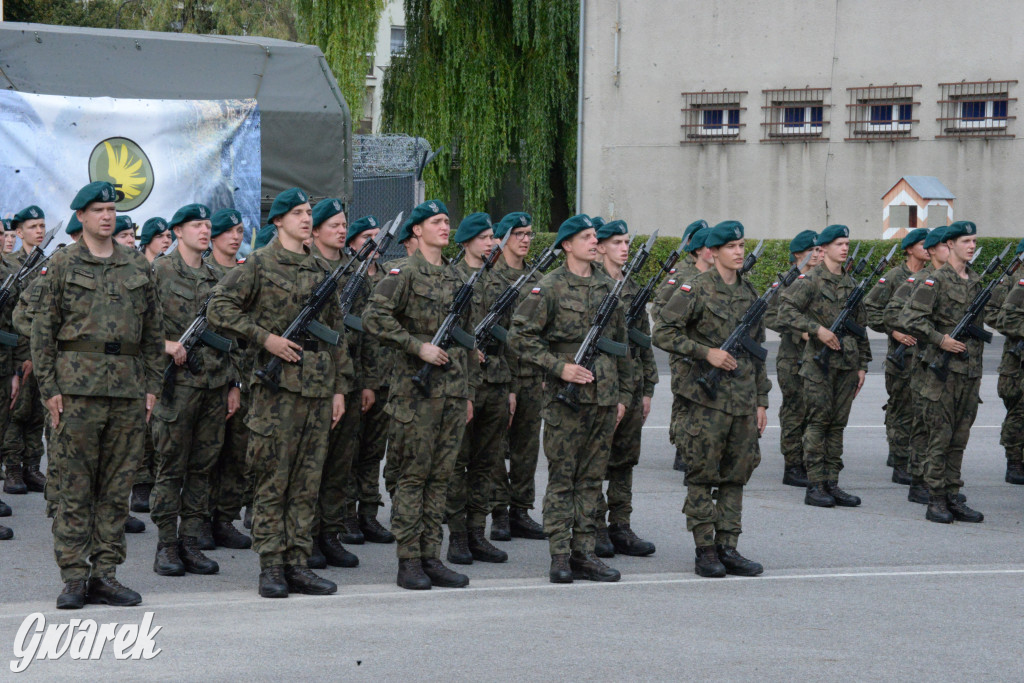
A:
(122, 163)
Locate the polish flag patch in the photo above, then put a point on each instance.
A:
(42, 271)
(881, 280)
(395, 271)
(801, 276)
(775, 285)
(930, 283)
(535, 290)
(1019, 282)
(672, 281)
(672, 272)
(910, 279)
(684, 288)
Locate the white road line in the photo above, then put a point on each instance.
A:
(847, 426)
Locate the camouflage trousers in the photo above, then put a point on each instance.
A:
(95, 445)
(899, 417)
(337, 471)
(721, 451)
(188, 433)
(425, 436)
(676, 415)
(287, 447)
(472, 480)
(362, 495)
(515, 484)
(1011, 437)
(792, 412)
(145, 472)
(624, 455)
(949, 409)
(828, 406)
(577, 446)
(230, 481)
(23, 437)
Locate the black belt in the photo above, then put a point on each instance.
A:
(309, 344)
(108, 348)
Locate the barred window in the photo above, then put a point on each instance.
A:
(795, 114)
(881, 113)
(976, 109)
(712, 117)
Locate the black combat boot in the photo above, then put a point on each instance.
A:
(818, 497)
(588, 567)
(225, 535)
(481, 549)
(890, 461)
(795, 475)
(411, 576)
(272, 582)
(6, 533)
(626, 542)
(938, 511)
(500, 529)
(335, 553)
(304, 580)
(140, 497)
(107, 590)
(560, 571)
(707, 564)
(842, 498)
(901, 476)
(961, 512)
(193, 559)
(1014, 472)
(918, 492)
(34, 479)
(458, 548)
(317, 559)
(603, 544)
(736, 564)
(374, 531)
(247, 519)
(14, 480)
(523, 526)
(73, 595)
(679, 465)
(167, 561)
(205, 538)
(352, 534)
(442, 576)
(5, 509)
(134, 525)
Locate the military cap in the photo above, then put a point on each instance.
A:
(472, 225)
(913, 237)
(7, 224)
(123, 222)
(74, 225)
(151, 228)
(427, 209)
(694, 227)
(98, 191)
(190, 212)
(832, 233)
(935, 235)
(611, 229)
(1020, 246)
(803, 241)
(697, 240)
(362, 225)
(29, 213)
(405, 232)
(570, 227)
(597, 221)
(724, 232)
(286, 201)
(265, 234)
(516, 219)
(224, 220)
(960, 229)
(325, 209)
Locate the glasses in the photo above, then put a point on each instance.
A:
(523, 236)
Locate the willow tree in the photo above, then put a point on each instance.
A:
(269, 18)
(494, 81)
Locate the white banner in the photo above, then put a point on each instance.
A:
(159, 154)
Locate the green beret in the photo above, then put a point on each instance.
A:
(286, 201)
(577, 223)
(123, 223)
(697, 240)
(29, 213)
(471, 226)
(98, 191)
(724, 232)
(1020, 246)
(803, 241)
(151, 228)
(224, 220)
(516, 219)
(326, 208)
(7, 224)
(832, 233)
(190, 212)
(265, 235)
(935, 236)
(959, 229)
(405, 232)
(74, 225)
(913, 237)
(694, 227)
(612, 229)
(427, 209)
(597, 221)
(362, 225)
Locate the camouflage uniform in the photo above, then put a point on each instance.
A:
(289, 428)
(387, 361)
(405, 311)
(547, 329)
(720, 443)
(188, 429)
(813, 300)
(21, 318)
(1010, 386)
(97, 340)
(679, 366)
(792, 411)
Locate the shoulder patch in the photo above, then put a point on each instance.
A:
(672, 272)
(672, 281)
(1019, 282)
(535, 290)
(42, 271)
(801, 276)
(685, 288)
(394, 271)
(240, 261)
(775, 284)
(910, 279)
(881, 280)
(930, 282)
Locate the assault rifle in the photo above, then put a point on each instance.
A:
(751, 260)
(366, 255)
(848, 265)
(7, 290)
(449, 332)
(638, 306)
(196, 336)
(586, 356)
(844, 322)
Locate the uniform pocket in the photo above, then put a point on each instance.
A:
(260, 424)
(165, 413)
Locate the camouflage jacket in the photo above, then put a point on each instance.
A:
(815, 299)
(644, 369)
(1010, 321)
(894, 309)
(875, 304)
(520, 368)
(387, 355)
(555, 317)
(488, 288)
(699, 317)
(685, 270)
(791, 344)
(367, 354)
(182, 292)
(405, 311)
(262, 297)
(243, 356)
(83, 298)
(13, 356)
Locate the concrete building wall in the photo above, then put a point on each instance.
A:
(392, 16)
(635, 168)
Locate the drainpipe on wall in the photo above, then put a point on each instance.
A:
(579, 115)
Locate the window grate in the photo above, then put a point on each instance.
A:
(796, 115)
(713, 117)
(881, 113)
(976, 109)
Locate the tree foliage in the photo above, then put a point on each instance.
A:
(495, 83)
